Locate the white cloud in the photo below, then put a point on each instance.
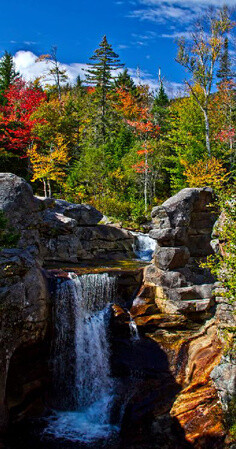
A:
(144, 37)
(176, 35)
(29, 42)
(26, 64)
(191, 3)
(122, 46)
(181, 11)
(163, 13)
(141, 40)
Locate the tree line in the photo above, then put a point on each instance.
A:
(117, 145)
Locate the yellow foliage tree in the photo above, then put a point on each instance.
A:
(49, 166)
(205, 172)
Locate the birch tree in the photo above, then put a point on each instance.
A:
(200, 57)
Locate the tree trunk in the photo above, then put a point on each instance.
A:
(49, 189)
(145, 182)
(45, 188)
(207, 131)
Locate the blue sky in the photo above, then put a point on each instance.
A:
(142, 32)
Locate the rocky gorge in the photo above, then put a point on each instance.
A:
(176, 380)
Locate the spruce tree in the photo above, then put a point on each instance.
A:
(224, 73)
(160, 107)
(8, 73)
(125, 81)
(99, 74)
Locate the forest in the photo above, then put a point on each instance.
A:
(119, 146)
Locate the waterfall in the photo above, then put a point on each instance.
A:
(143, 246)
(83, 386)
(133, 328)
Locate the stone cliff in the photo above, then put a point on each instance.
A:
(177, 380)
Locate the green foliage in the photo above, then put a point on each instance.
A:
(8, 236)
(115, 208)
(125, 81)
(8, 73)
(185, 137)
(161, 111)
(223, 266)
(138, 214)
(104, 60)
(225, 73)
(231, 419)
(99, 75)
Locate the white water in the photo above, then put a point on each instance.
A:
(143, 246)
(82, 378)
(133, 328)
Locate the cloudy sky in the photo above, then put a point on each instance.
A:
(142, 32)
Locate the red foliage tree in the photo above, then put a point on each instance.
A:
(15, 121)
(146, 130)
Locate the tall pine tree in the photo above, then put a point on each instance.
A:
(8, 73)
(99, 74)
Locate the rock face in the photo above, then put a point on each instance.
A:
(24, 315)
(182, 229)
(57, 230)
(49, 230)
(182, 376)
(175, 376)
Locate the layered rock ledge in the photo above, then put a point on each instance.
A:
(186, 381)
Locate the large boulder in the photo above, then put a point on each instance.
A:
(182, 227)
(56, 230)
(84, 214)
(17, 201)
(186, 219)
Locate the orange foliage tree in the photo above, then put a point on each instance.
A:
(126, 104)
(145, 129)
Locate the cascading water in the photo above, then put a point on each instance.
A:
(143, 246)
(133, 328)
(83, 386)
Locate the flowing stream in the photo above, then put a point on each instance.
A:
(83, 387)
(144, 246)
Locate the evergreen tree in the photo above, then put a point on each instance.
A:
(79, 87)
(125, 81)
(105, 60)
(8, 73)
(160, 107)
(224, 73)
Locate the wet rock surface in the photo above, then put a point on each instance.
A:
(187, 382)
